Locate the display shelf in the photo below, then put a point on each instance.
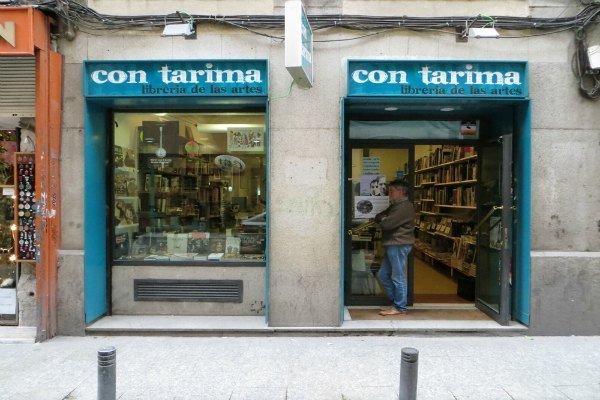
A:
(468, 271)
(427, 169)
(466, 182)
(451, 186)
(432, 255)
(460, 160)
(452, 206)
(425, 231)
(428, 213)
(446, 236)
(25, 207)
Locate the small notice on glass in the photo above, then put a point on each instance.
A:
(371, 165)
(8, 191)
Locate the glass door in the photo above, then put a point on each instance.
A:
(368, 172)
(494, 231)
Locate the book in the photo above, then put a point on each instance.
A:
(252, 243)
(216, 244)
(198, 242)
(215, 256)
(183, 257)
(232, 246)
(126, 211)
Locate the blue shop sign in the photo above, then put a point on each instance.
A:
(438, 78)
(169, 78)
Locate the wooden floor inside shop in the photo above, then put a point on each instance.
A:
(433, 285)
(419, 314)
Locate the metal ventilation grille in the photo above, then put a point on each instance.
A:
(17, 86)
(229, 291)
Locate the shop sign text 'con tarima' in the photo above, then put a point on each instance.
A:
(437, 79)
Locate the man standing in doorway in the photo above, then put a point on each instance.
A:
(398, 236)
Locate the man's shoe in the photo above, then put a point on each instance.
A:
(392, 311)
(385, 308)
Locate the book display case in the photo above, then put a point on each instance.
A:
(446, 208)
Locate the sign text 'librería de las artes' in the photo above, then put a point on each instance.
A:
(437, 78)
(176, 78)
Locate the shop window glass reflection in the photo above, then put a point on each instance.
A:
(189, 187)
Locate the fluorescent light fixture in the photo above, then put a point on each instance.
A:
(483, 33)
(447, 109)
(185, 29)
(391, 108)
(594, 56)
(224, 127)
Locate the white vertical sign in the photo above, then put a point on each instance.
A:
(298, 44)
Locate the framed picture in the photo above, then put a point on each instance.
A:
(247, 140)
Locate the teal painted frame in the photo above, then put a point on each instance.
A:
(522, 168)
(374, 93)
(95, 192)
(96, 114)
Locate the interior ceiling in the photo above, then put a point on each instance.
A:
(438, 110)
(208, 129)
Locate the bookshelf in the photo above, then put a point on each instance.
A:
(178, 192)
(445, 204)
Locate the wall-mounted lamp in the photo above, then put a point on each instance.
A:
(185, 28)
(483, 33)
(594, 56)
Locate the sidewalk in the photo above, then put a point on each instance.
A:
(305, 368)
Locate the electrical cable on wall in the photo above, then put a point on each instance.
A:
(589, 79)
(87, 20)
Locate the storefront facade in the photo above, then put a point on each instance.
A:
(31, 118)
(302, 282)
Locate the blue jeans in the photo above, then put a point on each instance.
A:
(392, 276)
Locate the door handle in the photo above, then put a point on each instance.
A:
(486, 217)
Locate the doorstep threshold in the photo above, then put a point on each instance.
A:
(17, 334)
(171, 325)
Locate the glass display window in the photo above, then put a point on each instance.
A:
(189, 187)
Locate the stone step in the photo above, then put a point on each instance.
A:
(169, 325)
(17, 334)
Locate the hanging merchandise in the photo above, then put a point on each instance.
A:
(25, 206)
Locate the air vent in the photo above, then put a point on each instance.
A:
(223, 291)
(17, 86)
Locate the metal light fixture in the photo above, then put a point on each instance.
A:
(185, 28)
(483, 33)
(594, 56)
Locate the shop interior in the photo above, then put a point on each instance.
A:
(17, 191)
(189, 187)
(442, 184)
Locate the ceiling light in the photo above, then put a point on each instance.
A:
(160, 114)
(447, 109)
(391, 108)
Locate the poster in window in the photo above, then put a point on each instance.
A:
(369, 206)
(373, 185)
(247, 140)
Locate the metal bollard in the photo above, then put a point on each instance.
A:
(107, 373)
(409, 368)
